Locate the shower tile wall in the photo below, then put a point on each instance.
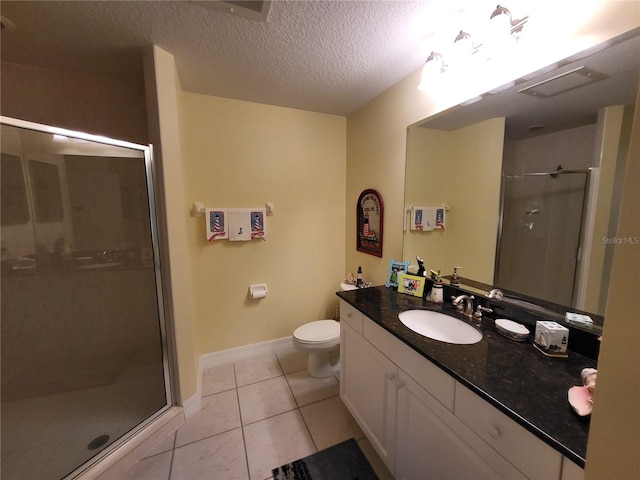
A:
(573, 148)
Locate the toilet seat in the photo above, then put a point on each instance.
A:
(318, 332)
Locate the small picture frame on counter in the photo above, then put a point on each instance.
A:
(411, 284)
(395, 269)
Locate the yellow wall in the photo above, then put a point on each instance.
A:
(461, 169)
(111, 108)
(163, 97)
(425, 187)
(376, 146)
(241, 155)
(614, 437)
(610, 120)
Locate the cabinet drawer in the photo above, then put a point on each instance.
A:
(351, 316)
(524, 450)
(431, 378)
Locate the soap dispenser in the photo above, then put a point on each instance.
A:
(437, 294)
(455, 279)
(359, 278)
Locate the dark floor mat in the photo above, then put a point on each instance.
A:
(344, 461)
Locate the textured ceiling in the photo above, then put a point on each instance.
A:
(323, 56)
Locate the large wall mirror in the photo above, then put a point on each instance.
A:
(532, 176)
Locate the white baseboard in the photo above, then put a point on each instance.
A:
(231, 355)
(224, 357)
(192, 404)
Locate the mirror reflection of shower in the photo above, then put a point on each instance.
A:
(83, 346)
(527, 218)
(541, 231)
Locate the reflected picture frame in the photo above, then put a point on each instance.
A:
(411, 284)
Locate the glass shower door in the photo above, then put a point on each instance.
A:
(540, 233)
(83, 343)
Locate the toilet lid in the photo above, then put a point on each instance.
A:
(318, 331)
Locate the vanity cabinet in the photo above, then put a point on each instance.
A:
(425, 424)
(432, 442)
(525, 451)
(368, 389)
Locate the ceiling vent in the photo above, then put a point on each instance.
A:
(255, 10)
(576, 78)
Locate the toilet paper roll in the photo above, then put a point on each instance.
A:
(258, 291)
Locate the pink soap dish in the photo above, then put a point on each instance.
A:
(581, 400)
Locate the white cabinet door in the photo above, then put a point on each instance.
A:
(368, 389)
(571, 471)
(523, 449)
(428, 446)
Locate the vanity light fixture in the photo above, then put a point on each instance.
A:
(433, 67)
(465, 43)
(515, 26)
(503, 29)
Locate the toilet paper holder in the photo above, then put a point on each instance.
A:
(258, 291)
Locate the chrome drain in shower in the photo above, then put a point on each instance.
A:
(98, 442)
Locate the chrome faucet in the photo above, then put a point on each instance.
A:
(464, 304)
(496, 294)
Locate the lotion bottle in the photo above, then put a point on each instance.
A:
(437, 294)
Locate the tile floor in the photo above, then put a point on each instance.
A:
(256, 415)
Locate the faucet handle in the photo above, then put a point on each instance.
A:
(478, 313)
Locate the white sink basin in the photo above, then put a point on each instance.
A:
(439, 326)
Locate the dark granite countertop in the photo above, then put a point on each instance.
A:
(513, 376)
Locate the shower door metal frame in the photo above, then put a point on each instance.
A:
(583, 215)
(167, 360)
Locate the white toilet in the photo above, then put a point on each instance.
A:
(321, 340)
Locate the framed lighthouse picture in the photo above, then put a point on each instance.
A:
(369, 215)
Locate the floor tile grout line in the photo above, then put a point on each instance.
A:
(165, 451)
(205, 438)
(261, 380)
(270, 416)
(204, 395)
(291, 391)
(315, 446)
(244, 440)
(173, 452)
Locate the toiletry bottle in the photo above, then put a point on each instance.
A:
(437, 294)
(359, 278)
(455, 279)
(421, 271)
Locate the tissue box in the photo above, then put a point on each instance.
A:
(551, 337)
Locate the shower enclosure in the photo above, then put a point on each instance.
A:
(84, 357)
(540, 233)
